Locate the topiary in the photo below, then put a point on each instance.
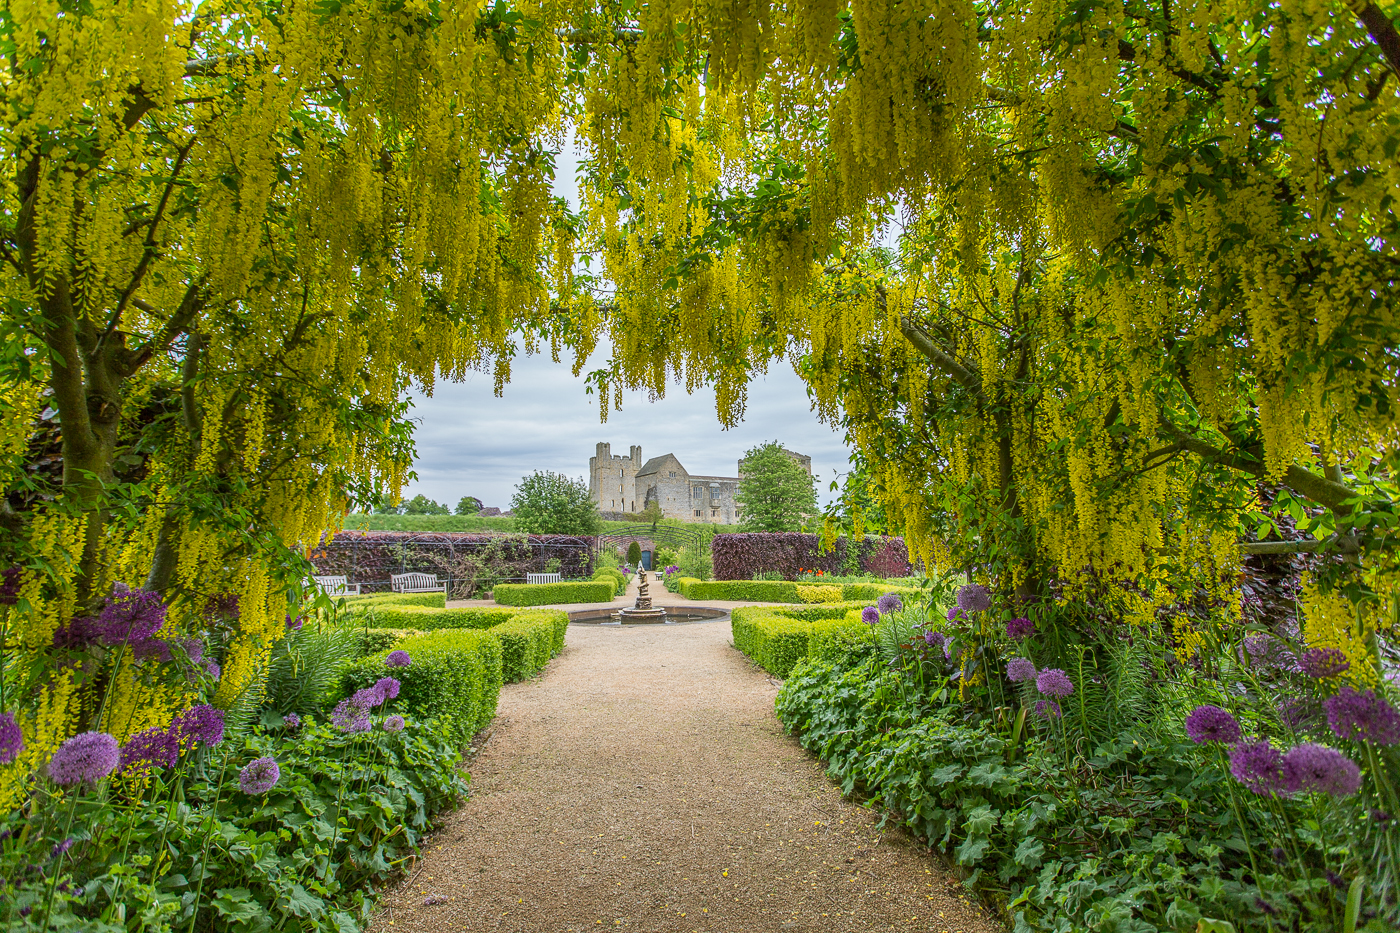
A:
(634, 553)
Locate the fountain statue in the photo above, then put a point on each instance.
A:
(642, 611)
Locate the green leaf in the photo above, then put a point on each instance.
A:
(236, 904)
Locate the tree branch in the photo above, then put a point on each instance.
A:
(940, 357)
(1381, 29)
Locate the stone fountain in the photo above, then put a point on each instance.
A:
(642, 611)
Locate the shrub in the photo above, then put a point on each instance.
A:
(371, 640)
(304, 668)
(634, 552)
(549, 594)
(740, 556)
(760, 591)
(430, 600)
(873, 591)
(774, 642)
(455, 677)
(837, 638)
(529, 640)
(611, 575)
(694, 562)
(418, 617)
(819, 594)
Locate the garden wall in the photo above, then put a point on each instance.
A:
(740, 556)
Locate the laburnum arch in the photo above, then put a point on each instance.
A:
(1080, 279)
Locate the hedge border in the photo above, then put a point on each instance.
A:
(778, 639)
(550, 594)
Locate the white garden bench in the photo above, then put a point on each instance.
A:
(337, 586)
(416, 583)
(544, 578)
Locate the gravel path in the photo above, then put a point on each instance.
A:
(643, 783)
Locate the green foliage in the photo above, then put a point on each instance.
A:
(529, 640)
(695, 562)
(819, 594)
(611, 575)
(429, 523)
(547, 503)
(455, 677)
(432, 600)
(467, 505)
(873, 591)
(776, 639)
(305, 668)
(634, 553)
(422, 617)
(422, 505)
(371, 640)
(775, 492)
(550, 594)
(344, 815)
(760, 591)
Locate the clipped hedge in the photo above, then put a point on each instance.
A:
(776, 639)
(758, 591)
(529, 640)
(430, 600)
(455, 677)
(612, 575)
(372, 640)
(740, 556)
(421, 617)
(873, 591)
(820, 593)
(549, 594)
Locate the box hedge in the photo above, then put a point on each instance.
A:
(611, 575)
(430, 600)
(873, 591)
(372, 640)
(776, 639)
(549, 594)
(455, 677)
(529, 640)
(819, 594)
(757, 591)
(421, 617)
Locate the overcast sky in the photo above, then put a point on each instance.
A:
(472, 443)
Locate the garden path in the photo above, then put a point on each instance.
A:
(644, 783)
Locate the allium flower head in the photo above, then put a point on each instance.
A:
(295, 624)
(1313, 767)
(193, 648)
(222, 607)
(388, 687)
(145, 751)
(1363, 717)
(368, 697)
(1020, 628)
(1264, 650)
(211, 667)
(291, 722)
(974, 598)
(393, 723)
(1019, 670)
(1323, 662)
(77, 633)
(1054, 682)
(1259, 766)
(870, 615)
(202, 724)
(398, 659)
(259, 776)
(131, 616)
(935, 639)
(1207, 723)
(890, 602)
(1296, 712)
(11, 738)
(957, 615)
(349, 716)
(1047, 709)
(86, 758)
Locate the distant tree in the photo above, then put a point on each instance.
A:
(634, 553)
(652, 513)
(547, 503)
(469, 505)
(422, 505)
(775, 493)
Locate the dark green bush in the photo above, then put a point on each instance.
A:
(549, 594)
(529, 640)
(455, 677)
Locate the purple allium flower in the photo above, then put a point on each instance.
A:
(9, 585)
(259, 776)
(1020, 669)
(26, 910)
(154, 748)
(368, 697)
(11, 738)
(77, 633)
(222, 607)
(349, 716)
(132, 616)
(1380, 816)
(193, 648)
(388, 687)
(957, 616)
(870, 615)
(1207, 723)
(211, 667)
(151, 649)
(393, 723)
(1047, 709)
(61, 848)
(1313, 767)
(291, 721)
(1259, 766)
(294, 625)
(1020, 628)
(203, 724)
(398, 659)
(890, 602)
(1363, 717)
(1297, 712)
(86, 758)
(1264, 650)
(1323, 662)
(974, 598)
(1054, 682)
(935, 639)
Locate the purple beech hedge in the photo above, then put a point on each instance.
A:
(371, 556)
(740, 556)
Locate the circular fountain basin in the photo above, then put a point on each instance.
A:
(676, 615)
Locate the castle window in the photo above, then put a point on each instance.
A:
(697, 513)
(673, 472)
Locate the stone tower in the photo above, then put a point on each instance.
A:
(613, 480)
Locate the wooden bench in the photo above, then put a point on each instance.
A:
(543, 578)
(337, 586)
(416, 583)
